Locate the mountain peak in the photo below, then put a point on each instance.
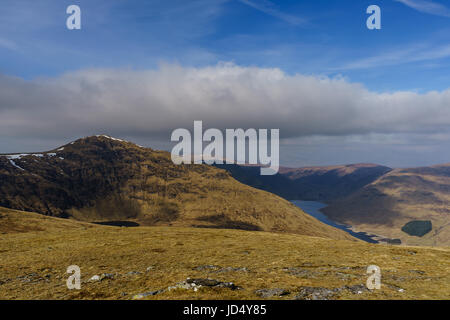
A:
(99, 138)
(109, 137)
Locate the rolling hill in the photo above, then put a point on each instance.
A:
(107, 180)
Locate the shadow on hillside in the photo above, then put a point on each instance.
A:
(118, 223)
(220, 221)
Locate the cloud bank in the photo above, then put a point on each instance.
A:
(151, 104)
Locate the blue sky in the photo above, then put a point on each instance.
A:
(326, 37)
(338, 92)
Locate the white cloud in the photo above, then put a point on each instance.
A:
(153, 103)
(426, 6)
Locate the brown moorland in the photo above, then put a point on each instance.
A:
(143, 262)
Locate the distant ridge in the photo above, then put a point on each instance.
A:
(311, 183)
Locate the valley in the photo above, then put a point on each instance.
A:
(398, 198)
(314, 208)
(370, 198)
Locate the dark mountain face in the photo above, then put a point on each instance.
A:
(311, 183)
(251, 175)
(78, 175)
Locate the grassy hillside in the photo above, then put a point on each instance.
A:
(388, 204)
(104, 179)
(143, 262)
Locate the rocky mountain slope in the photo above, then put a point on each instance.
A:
(102, 179)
